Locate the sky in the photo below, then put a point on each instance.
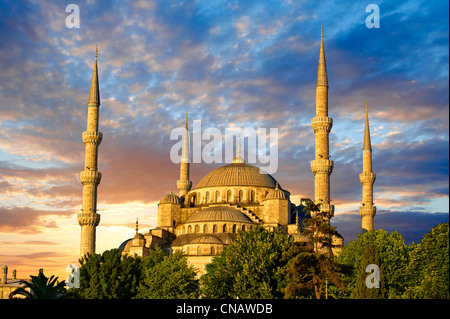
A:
(231, 64)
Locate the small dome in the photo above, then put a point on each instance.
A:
(218, 213)
(276, 194)
(139, 236)
(170, 198)
(206, 239)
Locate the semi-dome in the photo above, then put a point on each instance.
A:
(170, 198)
(237, 174)
(206, 239)
(218, 213)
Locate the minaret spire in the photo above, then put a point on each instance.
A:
(367, 178)
(184, 184)
(322, 166)
(90, 177)
(238, 159)
(322, 78)
(367, 146)
(94, 94)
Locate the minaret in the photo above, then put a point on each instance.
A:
(90, 177)
(184, 184)
(322, 166)
(367, 178)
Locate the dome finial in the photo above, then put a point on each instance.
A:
(321, 32)
(238, 159)
(137, 225)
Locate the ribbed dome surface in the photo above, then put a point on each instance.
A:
(237, 174)
(218, 213)
(206, 239)
(170, 198)
(276, 194)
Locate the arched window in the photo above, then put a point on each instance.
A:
(225, 228)
(189, 229)
(252, 196)
(241, 196)
(197, 229)
(207, 197)
(243, 227)
(217, 196)
(213, 250)
(215, 229)
(205, 229)
(229, 195)
(234, 228)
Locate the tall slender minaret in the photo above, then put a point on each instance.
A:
(322, 166)
(90, 177)
(367, 178)
(184, 184)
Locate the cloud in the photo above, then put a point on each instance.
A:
(241, 64)
(26, 220)
(412, 225)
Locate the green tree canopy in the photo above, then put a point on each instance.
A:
(428, 270)
(392, 251)
(109, 276)
(376, 290)
(168, 277)
(250, 267)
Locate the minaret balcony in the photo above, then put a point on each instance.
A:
(322, 124)
(90, 177)
(88, 218)
(367, 177)
(367, 211)
(92, 137)
(328, 209)
(322, 166)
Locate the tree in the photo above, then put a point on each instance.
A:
(428, 269)
(378, 289)
(109, 276)
(311, 267)
(169, 277)
(310, 273)
(250, 267)
(42, 287)
(393, 252)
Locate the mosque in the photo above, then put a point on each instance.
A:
(203, 220)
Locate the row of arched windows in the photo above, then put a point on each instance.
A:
(205, 251)
(225, 228)
(211, 197)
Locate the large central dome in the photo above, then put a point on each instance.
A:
(237, 174)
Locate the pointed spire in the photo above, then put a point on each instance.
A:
(367, 145)
(238, 159)
(94, 94)
(322, 79)
(185, 149)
